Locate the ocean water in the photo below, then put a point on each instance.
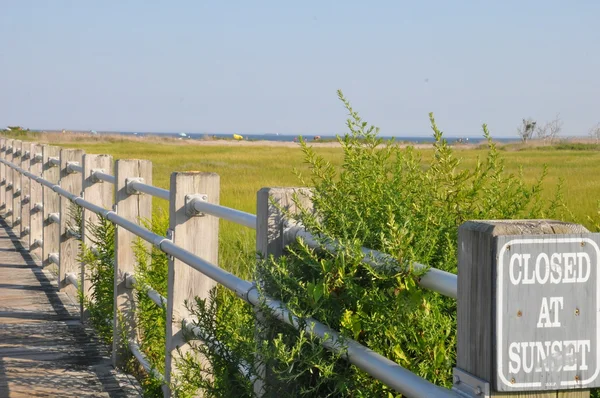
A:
(291, 138)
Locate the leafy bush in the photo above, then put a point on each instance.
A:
(99, 266)
(384, 199)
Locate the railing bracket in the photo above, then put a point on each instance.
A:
(130, 189)
(53, 218)
(71, 167)
(190, 210)
(95, 179)
(129, 280)
(53, 161)
(69, 233)
(470, 386)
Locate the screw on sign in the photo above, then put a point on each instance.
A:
(547, 312)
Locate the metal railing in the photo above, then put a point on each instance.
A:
(381, 368)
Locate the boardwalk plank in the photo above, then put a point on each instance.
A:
(45, 351)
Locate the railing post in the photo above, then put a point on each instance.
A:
(134, 207)
(51, 230)
(16, 189)
(271, 203)
(25, 196)
(527, 309)
(8, 186)
(99, 193)
(36, 199)
(2, 174)
(69, 243)
(199, 234)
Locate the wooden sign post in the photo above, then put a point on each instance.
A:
(528, 309)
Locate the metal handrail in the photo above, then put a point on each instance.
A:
(376, 365)
(54, 218)
(74, 167)
(237, 216)
(143, 360)
(71, 279)
(101, 176)
(136, 185)
(152, 294)
(443, 282)
(53, 258)
(54, 161)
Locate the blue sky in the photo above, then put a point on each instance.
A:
(275, 66)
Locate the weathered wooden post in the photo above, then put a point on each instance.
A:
(2, 175)
(528, 309)
(8, 186)
(25, 197)
(199, 234)
(51, 206)
(69, 266)
(135, 207)
(36, 204)
(99, 193)
(271, 206)
(16, 188)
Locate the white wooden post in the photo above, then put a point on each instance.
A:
(69, 243)
(481, 245)
(51, 230)
(99, 193)
(16, 189)
(199, 234)
(35, 205)
(135, 207)
(8, 186)
(270, 241)
(2, 175)
(25, 197)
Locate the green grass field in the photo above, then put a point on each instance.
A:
(245, 169)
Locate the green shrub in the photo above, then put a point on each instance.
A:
(99, 266)
(381, 198)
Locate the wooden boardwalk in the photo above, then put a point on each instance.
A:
(44, 349)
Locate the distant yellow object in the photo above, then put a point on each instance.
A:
(237, 137)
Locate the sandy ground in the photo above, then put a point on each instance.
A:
(52, 137)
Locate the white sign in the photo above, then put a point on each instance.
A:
(547, 312)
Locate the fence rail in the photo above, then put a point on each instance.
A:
(196, 204)
(121, 192)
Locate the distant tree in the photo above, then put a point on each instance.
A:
(595, 133)
(550, 130)
(526, 129)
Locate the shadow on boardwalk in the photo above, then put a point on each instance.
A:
(44, 349)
